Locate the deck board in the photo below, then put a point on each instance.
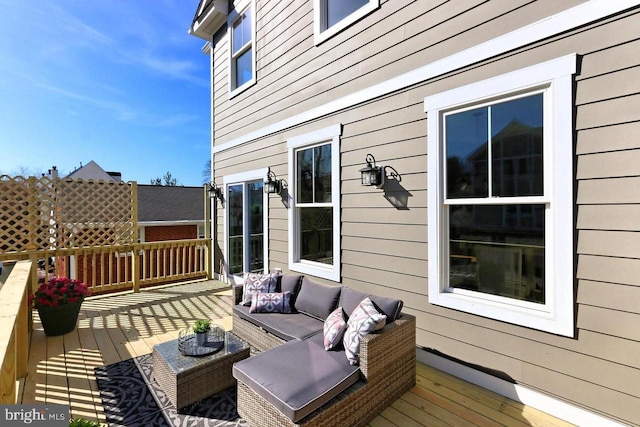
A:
(121, 326)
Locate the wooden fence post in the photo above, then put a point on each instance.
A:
(135, 269)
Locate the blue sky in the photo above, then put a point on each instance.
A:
(119, 82)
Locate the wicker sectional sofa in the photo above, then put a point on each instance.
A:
(294, 381)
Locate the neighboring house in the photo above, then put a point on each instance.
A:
(90, 171)
(509, 135)
(170, 213)
(164, 212)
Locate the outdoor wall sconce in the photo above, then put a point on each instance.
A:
(272, 185)
(215, 192)
(371, 174)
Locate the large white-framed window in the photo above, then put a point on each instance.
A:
(333, 16)
(242, 52)
(314, 205)
(500, 187)
(246, 228)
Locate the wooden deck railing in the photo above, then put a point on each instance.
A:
(103, 269)
(123, 267)
(15, 326)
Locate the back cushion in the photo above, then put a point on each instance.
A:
(256, 283)
(316, 299)
(350, 298)
(289, 283)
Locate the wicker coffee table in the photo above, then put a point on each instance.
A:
(188, 379)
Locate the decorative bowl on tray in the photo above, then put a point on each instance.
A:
(188, 344)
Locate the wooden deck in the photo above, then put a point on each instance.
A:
(118, 327)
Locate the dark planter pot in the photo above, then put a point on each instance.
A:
(59, 320)
(202, 338)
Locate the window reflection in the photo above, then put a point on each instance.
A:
(496, 151)
(235, 217)
(313, 187)
(245, 244)
(337, 10)
(316, 234)
(313, 175)
(498, 250)
(513, 150)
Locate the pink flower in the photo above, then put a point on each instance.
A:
(57, 291)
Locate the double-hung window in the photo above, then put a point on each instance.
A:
(500, 197)
(314, 214)
(332, 16)
(242, 32)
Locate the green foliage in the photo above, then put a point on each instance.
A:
(206, 172)
(167, 180)
(81, 422)
(201, 325)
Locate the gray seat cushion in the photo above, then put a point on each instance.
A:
(288, 326)
(316, 299)
(297, 377)
(350, 298)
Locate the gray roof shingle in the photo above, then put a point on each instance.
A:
(170, 203)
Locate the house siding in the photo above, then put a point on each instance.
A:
(399, 37)
(384, 233)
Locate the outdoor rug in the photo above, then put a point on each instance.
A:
(131, 397)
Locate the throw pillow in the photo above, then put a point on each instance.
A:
(364, 319)
(255, 283)
(334, 327)
(272, 302)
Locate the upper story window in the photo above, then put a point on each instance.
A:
(314, 214)
(332, 16)
(500, 197)
(242, 62)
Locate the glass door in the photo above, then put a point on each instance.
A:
(245, 227)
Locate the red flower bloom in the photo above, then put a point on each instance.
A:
(57, 291)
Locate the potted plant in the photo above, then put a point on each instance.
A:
(58, 303)
(201, 327)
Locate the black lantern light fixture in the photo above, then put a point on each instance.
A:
(372, 175)
(272, 185)
(215, 192)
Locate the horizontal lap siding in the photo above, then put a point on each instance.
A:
(398, 37)
(384, 232)
(595, 369)
(608, 148)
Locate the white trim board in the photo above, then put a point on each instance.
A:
(557, 408)
(576, 16)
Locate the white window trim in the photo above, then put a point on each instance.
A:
(320, 36)
(241, 178)
(557, 314)
(331, 135)
(239, 9)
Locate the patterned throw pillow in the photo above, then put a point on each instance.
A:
(273, 302)
(255, 283)
(364, 319)
(334, 327)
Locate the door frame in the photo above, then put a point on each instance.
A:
(243, 178)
